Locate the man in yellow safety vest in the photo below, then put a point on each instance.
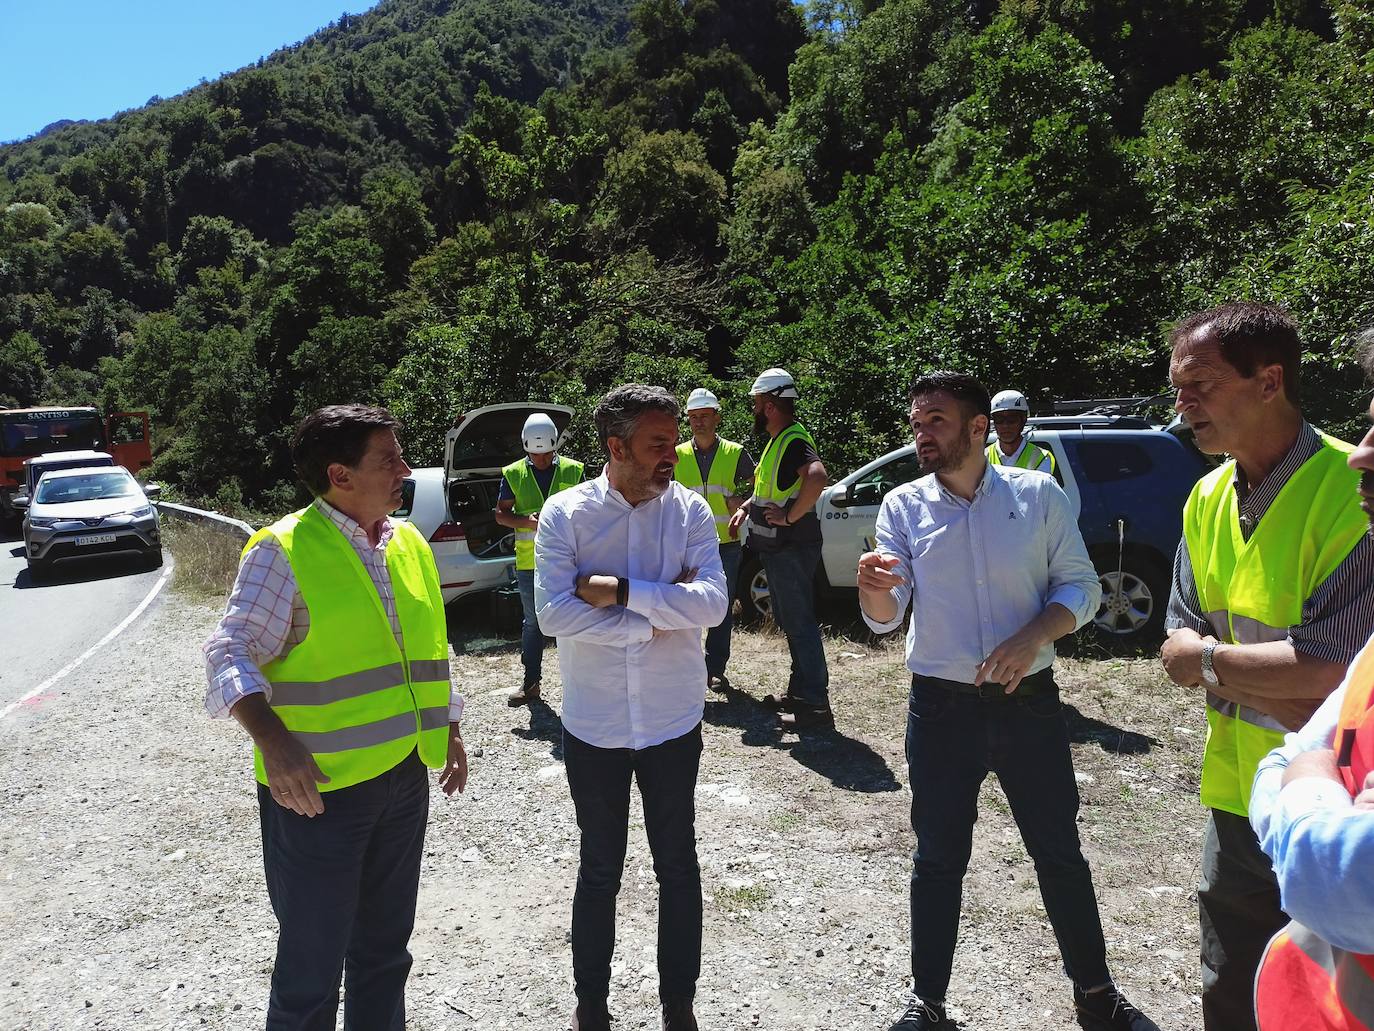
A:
(714, 467)
(525, 485)
(1313, 810)
(1271, 595)
(1010, 411)
(784, 530)
(333, 655)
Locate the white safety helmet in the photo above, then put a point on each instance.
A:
(777, 382)
(702, 398)
(1010, 401)
(540, 435)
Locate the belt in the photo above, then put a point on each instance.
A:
(1040, 683)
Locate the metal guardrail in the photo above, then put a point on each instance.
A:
(219, 523)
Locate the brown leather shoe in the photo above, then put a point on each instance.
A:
(678, 1016)
(524, 696)
(808, 717)
(585, 1018)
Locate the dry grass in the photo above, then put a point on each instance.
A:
(206, 559)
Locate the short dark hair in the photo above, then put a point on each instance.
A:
(1250, 335)
(967, 390)
(617, 414)
(335, 433)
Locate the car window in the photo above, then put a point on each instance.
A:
(407, 500)
(1106, 460)
(95, 487)
(889, 476)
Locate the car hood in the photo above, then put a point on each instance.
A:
(97, 509)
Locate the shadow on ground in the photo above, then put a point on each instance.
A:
(1084, 730)
(847, 763)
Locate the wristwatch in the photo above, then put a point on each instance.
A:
(1209, 673)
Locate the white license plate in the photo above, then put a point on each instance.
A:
(96, 538)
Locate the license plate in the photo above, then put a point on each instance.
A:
(96, 538)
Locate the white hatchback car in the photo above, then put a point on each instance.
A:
(454, 505)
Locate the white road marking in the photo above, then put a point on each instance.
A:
(161, 582)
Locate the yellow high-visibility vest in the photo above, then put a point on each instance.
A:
(529, 499)
(720, 479)
(353, 696)
(1030, 458)
(1253, 591)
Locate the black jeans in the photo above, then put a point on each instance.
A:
(599, 779)
(1239, 910)
(343, 888)
(952, 742)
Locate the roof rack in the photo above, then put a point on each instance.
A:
(1108, 406)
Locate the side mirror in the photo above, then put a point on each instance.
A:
(20, 501)
(839, 496)
(152, 490)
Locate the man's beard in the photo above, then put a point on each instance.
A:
(761, 424)
(1367, 497)
(942, 460)
(642, 479)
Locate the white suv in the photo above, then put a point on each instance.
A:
(454, 505)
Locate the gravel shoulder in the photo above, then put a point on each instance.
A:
(131, 893)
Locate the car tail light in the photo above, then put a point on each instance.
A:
(448, 532)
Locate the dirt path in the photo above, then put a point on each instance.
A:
(131, 892)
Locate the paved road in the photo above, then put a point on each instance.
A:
(45, 626)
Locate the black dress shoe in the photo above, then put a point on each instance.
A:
(678, 1016)
(1108, 1010)
(589, 1018)
(922, 1016)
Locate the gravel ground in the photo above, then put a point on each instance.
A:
(131, 893)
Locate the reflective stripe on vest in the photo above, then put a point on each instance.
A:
(348, 692)
(1307, 984)
(1253, 591)
(1030, 458)
(529, 499)
(720, 479)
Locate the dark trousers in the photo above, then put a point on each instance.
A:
(792, 593)
(531, 637)
(343, 888)
(952, 742)
(718, 637)
(1239, 911)
(599, 779)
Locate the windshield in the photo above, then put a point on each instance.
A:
(57, 490)
(25, 434)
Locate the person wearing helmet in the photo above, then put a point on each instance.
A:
(784, 530)
(525, 485)
(714, 467)
(1010, 410)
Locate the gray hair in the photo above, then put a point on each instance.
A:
(1364, 349)
(617, 414)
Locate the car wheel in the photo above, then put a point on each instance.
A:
(39, 569)
(754, 602)
(1131, 613)
(154, 558)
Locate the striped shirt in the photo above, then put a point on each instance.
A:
(266, 616)
(1339, 616)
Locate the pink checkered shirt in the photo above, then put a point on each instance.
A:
(266, 617)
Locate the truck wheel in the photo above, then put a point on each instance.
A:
(752, 591)
(1131, 614)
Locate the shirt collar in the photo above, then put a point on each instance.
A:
(933, 490)
(606, 492)
(352, 529)
(1256, 499)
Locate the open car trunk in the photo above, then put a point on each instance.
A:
(475, 450)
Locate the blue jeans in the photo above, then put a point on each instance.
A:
(599, 780)
(718, 637)
(343, 888)
(792, 593)
(531, 637)
(952, 742)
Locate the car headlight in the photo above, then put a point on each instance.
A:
(146, 512)
(41, 522)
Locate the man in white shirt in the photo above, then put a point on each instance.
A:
(627, 575)
(993, 564)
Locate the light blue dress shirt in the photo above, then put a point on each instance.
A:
(977, 572)
(625, 686)
(1321, 846)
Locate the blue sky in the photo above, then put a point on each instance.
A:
(90, 58)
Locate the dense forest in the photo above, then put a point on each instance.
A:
(445, 203)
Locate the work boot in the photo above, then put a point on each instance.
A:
(808, 717)
(678, 1016)
(1108, 1010)
(922, 1016)
(527, 694)
(591, 1018)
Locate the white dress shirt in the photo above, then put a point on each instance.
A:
(977, 572)
(624, 686)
